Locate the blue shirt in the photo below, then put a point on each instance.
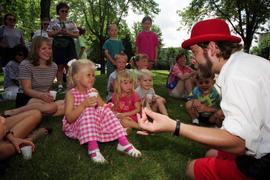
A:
(114, 46)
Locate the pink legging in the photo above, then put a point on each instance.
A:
(92, 145)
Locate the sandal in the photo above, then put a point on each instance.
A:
(130, 150)
(98, 158)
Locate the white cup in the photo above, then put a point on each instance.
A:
(93, 94)
(26, 152)
(149, 97)
(53, 94)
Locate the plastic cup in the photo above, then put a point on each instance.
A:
(53, 94)
(26, 152)
(149, 97)
(93, 94)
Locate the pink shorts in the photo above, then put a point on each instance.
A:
(222, 167)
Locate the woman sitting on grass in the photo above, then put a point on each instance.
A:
(36, 76)
(19, 130)
(181, 78)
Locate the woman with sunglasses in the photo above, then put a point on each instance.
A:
(181, 78)
(44, 27)
(63, 30)
(10, 36)
(203, 102)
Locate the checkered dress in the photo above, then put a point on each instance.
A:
(94, 124)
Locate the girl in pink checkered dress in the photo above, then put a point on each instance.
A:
(88, 118)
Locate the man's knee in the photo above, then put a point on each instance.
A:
(189, 105)
(190, 169)
(211, 153)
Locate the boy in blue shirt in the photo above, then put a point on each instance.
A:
(203, 102)
(111, 47)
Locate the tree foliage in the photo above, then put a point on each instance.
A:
(246, 17)
(98, 14)
(94, 15)
(27, 13)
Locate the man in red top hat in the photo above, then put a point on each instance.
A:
(242, 145)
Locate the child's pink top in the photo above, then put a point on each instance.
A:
(181, 70)
(126, 104)
(146, 42)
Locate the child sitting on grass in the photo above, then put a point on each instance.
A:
(88, 118)
(147, 93)
(11, 74)
(120, 63)
(203, 103)
(138, 62)
(126, 102)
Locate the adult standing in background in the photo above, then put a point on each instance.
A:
(10, 36)
(63, 30)
(44, 28)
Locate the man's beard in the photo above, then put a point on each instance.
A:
(206, 69)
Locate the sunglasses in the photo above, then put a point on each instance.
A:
(203, 82)
(11, 19)
(64, 11)
(46, 24)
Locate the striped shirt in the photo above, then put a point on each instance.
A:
(41, 78)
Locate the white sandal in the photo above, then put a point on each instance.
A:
(132, 152)
(98, 158)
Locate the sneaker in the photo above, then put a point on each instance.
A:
(195, 121)
(130, 150)
(98, 158)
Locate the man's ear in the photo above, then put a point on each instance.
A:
(213, 48)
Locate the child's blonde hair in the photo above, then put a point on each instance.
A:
(75, 67)
(121, 76)
(121, 54)
(145, 72)
(137, 58)
(112, 25)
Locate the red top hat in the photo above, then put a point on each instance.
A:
(210, 30)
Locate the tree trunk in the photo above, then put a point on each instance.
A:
(247, 44)
(45, 9)
(102, 58)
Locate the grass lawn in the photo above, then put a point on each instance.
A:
(58, 157)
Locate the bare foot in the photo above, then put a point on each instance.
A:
(8, 113)
(39, 133)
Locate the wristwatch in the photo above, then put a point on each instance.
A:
(177, 128)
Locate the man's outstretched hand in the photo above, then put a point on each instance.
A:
(161, 123)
